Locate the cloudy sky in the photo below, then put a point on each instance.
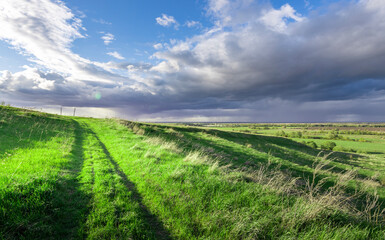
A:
(196, 60)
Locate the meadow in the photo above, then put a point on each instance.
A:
(83, 178)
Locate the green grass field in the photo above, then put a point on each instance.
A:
(83, 178)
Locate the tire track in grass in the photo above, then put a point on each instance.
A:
(44, 200)
(87, 179)
(116, 209)
(197, 200)
(72, 215)
(159, 231)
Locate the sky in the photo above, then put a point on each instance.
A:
(196, 60)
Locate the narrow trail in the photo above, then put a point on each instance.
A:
(116, 209)
(74, 201)
(48, 202)
(151, 219)
(82, 178)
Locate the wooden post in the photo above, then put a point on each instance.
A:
(74, 111)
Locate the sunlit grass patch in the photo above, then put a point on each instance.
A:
(69, 178)
(196, 194)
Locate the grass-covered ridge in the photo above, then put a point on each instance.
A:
(76, 178)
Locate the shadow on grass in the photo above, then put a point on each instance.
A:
(375, 152)
(49, 207)
(291, 150)
(275, 146)
(154, 225)
(282, 148)
(23, 129)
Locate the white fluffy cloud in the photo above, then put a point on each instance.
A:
(44, 31)
(277, 19)
(166, 21)
(32, 83)
(108, 38)
(158, 46)
(265, 55)
(116, 55)
(191, 24)
(26, 79)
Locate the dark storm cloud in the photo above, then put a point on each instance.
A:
(336, 55)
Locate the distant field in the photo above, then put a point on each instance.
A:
(361, 137)
(83, 178)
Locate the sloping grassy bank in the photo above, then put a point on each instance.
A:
(249, 152)
(198, 197)
(40, 156)
(80, 178)
(116, 210)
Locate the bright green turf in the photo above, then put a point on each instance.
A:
(39, 192)
(79, 178)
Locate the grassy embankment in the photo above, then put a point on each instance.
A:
(81, 178)
(365, 139)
